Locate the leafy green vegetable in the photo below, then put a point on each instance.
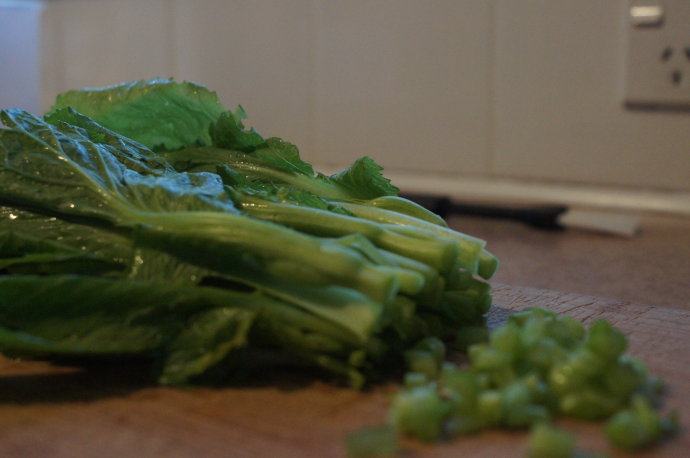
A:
(24, 232)
(167, 230)
(158, 113)
(549, 442)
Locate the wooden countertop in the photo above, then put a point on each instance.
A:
(651, 268)
(63, 412)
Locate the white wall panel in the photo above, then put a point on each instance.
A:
(558, 102)
(88, 42)
(20, 55)
(404, 81)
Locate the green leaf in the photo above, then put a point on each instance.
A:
(24, 232)
(14, 244)
(229, 132)
(132, 154)
(277, 164)
(363, 180)
(84, 315)
(190, 328)
(207, 340)
(58, 263)
(159, 113)
(284, 156)
(65, 169)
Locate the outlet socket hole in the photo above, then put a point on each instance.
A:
(666, 54)
(687, 52)
(676, 77)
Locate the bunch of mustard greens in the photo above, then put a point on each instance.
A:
(144, 220)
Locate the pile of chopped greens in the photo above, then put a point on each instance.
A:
(536, 367)
(144, 220)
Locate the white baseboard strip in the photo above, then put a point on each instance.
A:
(529, 191)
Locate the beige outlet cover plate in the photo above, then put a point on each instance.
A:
(657, 64)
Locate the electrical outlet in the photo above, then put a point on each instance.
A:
(657, 73)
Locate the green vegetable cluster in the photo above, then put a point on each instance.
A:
(537, 366)
(144, 220)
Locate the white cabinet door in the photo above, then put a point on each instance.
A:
(404, 81)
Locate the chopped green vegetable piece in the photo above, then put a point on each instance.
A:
(546, 441)
(515, 398)
(507, 339)
(434, 346)
(486, 358)
(639, 427)
(588, 404)
(461, 384)
(414, 379)
(622, 379)
(544, 354)
(489, 407)
(576, 371)
(567, 331)
(423, 362)
(420, 412)
(488, 264)
(606, 341)
(463, 424)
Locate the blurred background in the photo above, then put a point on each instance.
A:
(582, 104)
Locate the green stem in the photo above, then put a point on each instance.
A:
(468, 247)
(488, 264)
(221, 240)
(467, 254)
(412, 275)
(437, 253)
(382, 215)
(407, 207)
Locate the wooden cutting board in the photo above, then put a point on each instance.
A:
(63, 412)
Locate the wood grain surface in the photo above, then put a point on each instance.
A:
(114, 411)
